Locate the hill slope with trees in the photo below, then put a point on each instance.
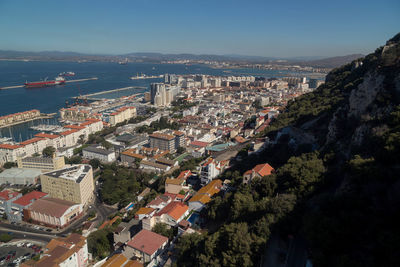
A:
(336, 152)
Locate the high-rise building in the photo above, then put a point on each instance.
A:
(162, 94)
(162, 141)
(72, 183)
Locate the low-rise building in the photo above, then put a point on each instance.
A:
(153, 166)
(19, 176)
(72, 183)
(259, 171)
(22, 203)
(175, 186)
(146, 246)
(70, 251)
(171, 215)
(122, 114)
(6, 199)
(53, 212)
(98, 152)
(119, 260)
(203, 196)
(41, 163)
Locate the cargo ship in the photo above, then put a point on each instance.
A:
(45, 83)
(69, 73)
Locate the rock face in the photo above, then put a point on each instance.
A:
(361, 97)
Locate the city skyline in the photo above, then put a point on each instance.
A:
(256, 28)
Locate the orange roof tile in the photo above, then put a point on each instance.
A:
(174, 209)
(30, 141)
(44, 135)
(263, 169)
(7, 146)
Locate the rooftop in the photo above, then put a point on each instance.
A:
(174, 209)
(51, 206)
(147, 241)
(7, 195)
(20, 173)
(27, 199)
(75, 173)
(162, 136)
(95, 149)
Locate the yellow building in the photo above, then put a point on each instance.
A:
(122, 114)
(72, 183)
(43, 164)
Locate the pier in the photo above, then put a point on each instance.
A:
(88, 96)
(144, 77)
(66, 81)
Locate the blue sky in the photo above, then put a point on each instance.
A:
(285, 28)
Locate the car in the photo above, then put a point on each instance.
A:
(27, 254)
(48, 230)
(8, 257)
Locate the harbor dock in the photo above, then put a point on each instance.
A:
(109, 91)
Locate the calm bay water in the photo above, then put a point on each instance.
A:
(110, 76)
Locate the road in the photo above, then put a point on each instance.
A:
(26, 235)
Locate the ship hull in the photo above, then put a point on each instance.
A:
(42, 84)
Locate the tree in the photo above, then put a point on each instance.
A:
(95, 163)
(9, 165)
(48, 151)
(106, 145)
(180, 150)
(81, 139)
(163, 229)
(5, 238)
(99, 243)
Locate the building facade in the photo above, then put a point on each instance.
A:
(162, 141)
(72, 184)
(41, 163)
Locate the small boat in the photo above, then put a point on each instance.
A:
(64, 74)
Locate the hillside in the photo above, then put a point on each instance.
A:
(336, 152)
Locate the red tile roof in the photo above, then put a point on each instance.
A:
(199, 143)
(162, 136)
(68, 132)
(74, 127)
(30, 141)
(184, 175)
(26, 199)
(44, 135)
(7, 146)
(7, 194)
(263, 169)
(147, 241)
(174, 209)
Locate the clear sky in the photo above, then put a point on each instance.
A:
(285, 28)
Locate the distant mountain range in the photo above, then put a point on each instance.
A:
(158, 57)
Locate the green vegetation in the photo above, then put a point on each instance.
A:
(5, 238)
(78, 151)
(342, 197)
(121, 185)
(73, 160)
(48, 151)
(95, 163)
(9, 165)
(161, 124)
(187, 165)
(180, 105)
(100, 243)
(164, 229)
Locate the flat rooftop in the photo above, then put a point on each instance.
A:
(20, 173)
(75, 173)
